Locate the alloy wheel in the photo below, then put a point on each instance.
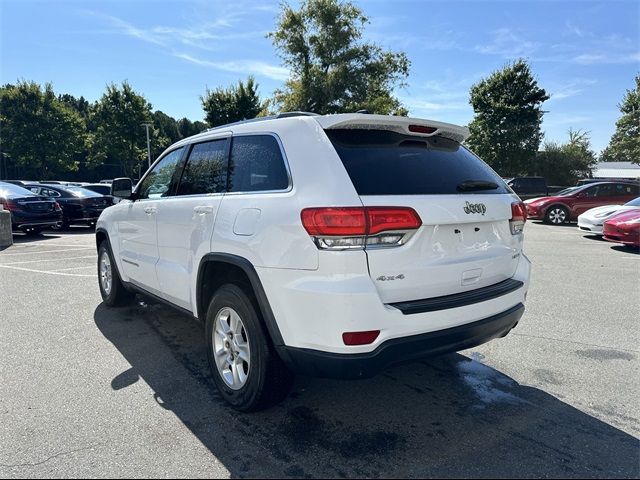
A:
(231, 348)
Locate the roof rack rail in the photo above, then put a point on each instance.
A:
(260, 119)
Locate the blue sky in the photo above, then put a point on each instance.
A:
(584, 53)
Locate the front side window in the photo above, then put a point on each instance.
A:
(256, 165)
(206, 169)
(605, 190)
(157, 183)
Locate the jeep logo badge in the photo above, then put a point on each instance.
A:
(475, 208)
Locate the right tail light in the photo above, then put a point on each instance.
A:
(518, 217)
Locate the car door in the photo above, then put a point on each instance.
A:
(625, 192)
(185, 220)
(592, 197)
(137, 227)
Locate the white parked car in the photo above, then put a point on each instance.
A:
(592, 220)
(330, 245)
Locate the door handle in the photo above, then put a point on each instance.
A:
(150, 210)
(202, 209)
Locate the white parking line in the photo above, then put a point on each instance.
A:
(46, 251)
(49, 260)
(73, 268)
(64, 274)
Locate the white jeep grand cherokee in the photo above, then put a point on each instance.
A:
(332, 246)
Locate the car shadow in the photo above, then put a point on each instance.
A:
(626, 249)
(597, 238)
(19, 237)
(447, 417)
(571, 224)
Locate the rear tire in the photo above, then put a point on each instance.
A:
(557, 215)
(245, 367)
(113, 292)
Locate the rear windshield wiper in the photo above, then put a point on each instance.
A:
(471, 185)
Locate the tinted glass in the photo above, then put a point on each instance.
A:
(8, 190)
(206, 169)
(256, 165)
(626, 189)
(605, 190)
(381, 162)
(81, 192)
(102, 189)
(158, 182)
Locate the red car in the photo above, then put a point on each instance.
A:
(623, 228)
(568, 204)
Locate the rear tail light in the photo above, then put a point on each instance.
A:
(518, 217)
(340, 228)
(8, 204)
(360, 338)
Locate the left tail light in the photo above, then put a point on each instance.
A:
(342, 228)
(518, 217)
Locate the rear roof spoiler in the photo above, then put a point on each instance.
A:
(396, 124)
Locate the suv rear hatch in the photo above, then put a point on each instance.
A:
(465, 241)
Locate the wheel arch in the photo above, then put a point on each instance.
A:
(218, 268)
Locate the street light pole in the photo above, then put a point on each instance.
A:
(147, 125)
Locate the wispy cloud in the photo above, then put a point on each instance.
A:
(181, 42)
(572, 88)
(508, 44)
(240, 66)
(607, 58)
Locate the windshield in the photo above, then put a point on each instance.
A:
(633, 203)
(8, 190)
(81, 192)
(569, 190)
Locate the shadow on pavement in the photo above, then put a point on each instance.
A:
(450, 416)
(19, 237)
(626, 249)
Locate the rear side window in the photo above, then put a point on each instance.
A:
(381, 162)
(256, 164)
(206, 169)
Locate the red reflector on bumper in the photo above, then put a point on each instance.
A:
(360, 338)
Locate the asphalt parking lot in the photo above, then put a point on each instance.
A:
(91, 392)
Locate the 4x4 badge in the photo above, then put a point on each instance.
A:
(475, 208)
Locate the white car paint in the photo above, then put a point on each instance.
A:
(592, 220)
(315, 294)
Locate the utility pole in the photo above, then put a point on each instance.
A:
(147, 125)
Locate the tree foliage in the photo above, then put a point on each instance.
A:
(38, 131)
(625, 142)
(119, 136)
(227, 105)
(331, 69)
(564, 164)
(505, 131)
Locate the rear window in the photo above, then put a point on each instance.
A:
(382, 162)
(81, 192)
(8, 190)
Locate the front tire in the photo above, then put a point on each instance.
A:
(111, 288)
(557, 215)
(244, 365)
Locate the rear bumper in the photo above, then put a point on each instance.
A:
(400, 350)
(21, 220)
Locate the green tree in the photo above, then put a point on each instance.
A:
(505, 131)
(119, 137)
(625, 142)
(188, 128)
(331, 69)
(227, 105)
(39, 132)
(564, 164)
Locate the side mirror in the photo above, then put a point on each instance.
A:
(122, 188)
